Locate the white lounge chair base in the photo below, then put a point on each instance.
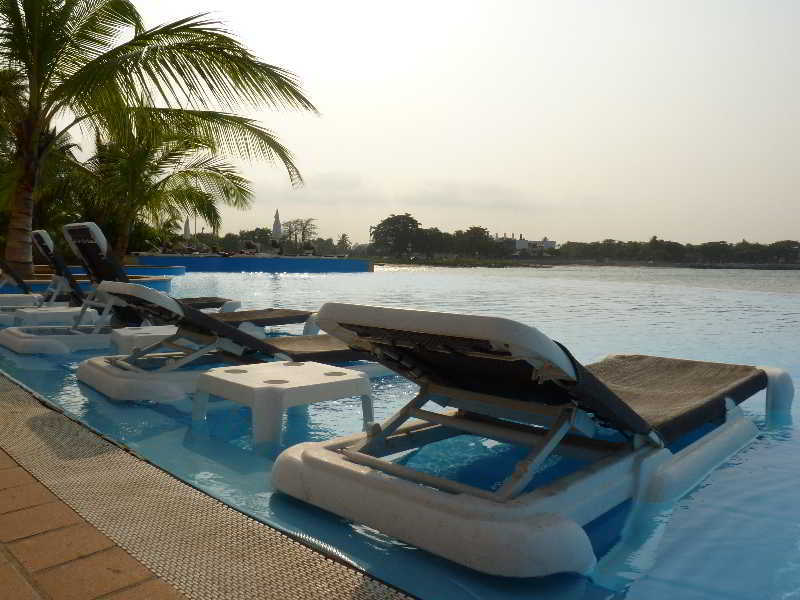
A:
(128, 339)
(9, 314)
(511, 384)
(540, 533)
(42, 339)
(55, 315)
(163, 386)
(65, 339)
(16, 300)
(137, 386)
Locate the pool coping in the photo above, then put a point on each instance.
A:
(108, 524)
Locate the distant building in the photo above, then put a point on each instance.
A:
(520, 243)
(277, 229)
(543, 243)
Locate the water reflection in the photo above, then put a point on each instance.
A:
(637, 550)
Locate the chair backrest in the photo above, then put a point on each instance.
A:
(158, 307)
(485, 355)
(91, 247)
(44, 244)
(11, 276)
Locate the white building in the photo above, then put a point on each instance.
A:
(543, 243)
(520, 243)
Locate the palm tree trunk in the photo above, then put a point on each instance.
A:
(18, 240)
(123, 239)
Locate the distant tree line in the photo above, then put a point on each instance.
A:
(404, 236)
(298, 236)
(656, 250)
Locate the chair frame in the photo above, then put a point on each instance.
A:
(542, 428)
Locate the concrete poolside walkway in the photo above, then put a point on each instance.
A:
(83, 519)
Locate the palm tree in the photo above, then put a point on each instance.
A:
(158, 176)
(344, 245)
(56, 168)
(12, 98)
(58, 199)
(78, 70)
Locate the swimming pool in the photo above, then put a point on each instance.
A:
(742, 515)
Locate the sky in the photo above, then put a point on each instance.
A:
(573, 119)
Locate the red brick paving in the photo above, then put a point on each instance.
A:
(24, 496)
(60, 546)
(48, 552)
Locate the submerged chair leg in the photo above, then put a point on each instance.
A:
(129, 362)
(367, 410)
(376, 442)
(403, 472)
(376, 436)
(104, 318)
(525, 470)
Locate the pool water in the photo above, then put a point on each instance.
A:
(736, 536)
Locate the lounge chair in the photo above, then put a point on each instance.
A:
(196, 338)
(93, 316)
(59, 292)
(61, 301)
(9, 277)
(91, 247)
(89, 244)
(63, 282)
(638, 428)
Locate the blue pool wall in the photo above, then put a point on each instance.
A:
(256, 264)
(142, 270)
(162, 284)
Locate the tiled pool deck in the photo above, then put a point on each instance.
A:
(47, 551)
(83, 519)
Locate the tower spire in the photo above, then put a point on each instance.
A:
(276, 226)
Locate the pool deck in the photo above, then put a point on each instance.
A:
(47, 551)
(83, 519)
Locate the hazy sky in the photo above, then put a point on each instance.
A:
(576, 120)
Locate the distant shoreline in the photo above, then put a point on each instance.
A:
(548, 262)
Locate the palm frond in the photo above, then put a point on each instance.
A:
(189, 62)
(15, 49)
(182, 200)
(89, 29)
(215, 177)
(232, 135)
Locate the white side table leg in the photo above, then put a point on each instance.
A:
(367, 410)
(267, 422)
(199, 406)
